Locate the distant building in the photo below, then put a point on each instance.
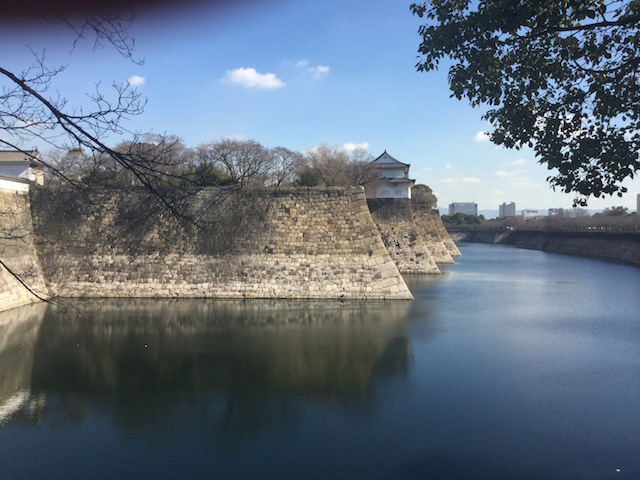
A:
(507, 210)
(468, 208)
(638, 203)
(528, 214)
(553, 211)
(394, 178)
(18, 169)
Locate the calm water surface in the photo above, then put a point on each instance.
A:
(515, 364)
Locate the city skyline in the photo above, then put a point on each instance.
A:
(299, 74)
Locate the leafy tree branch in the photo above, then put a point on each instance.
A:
(559, 76)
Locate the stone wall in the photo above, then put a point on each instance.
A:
(449, 244)
(614, 247)
(617, 247)
(17, 253)
(399, 232)
(427, 224)
(290, 243)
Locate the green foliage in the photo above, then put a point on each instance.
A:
(575, 220)
(422, 194)
(462, 219)
(600, 222)
(508, 223)
(614, 211)
(559, 76)
(207, 175)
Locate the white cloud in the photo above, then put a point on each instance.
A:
(250, 78)
(525, 183)
(481, 137)
(472, 180)
(25, 122)
(465, 180)
(517, 178)
(136, 80)
(449, 181)
(317, 71)
(350, 147)
(520, 161)
(32, 125)
(448, 166)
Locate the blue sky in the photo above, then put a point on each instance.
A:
(298, 74)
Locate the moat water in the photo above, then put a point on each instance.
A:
(514, 364)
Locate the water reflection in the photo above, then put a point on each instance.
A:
(236, 366)
(18, 333)
(515, 364)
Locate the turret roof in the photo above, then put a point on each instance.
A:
(22, 156)
(386, 159)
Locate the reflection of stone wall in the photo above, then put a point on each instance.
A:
(133, 355)
(293, 243)
(18, 334)
(17, 252)
(400, 235)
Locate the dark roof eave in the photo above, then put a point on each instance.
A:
(401, 180)
(14, 179)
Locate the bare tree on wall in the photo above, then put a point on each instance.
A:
(360, 171)
(246, 162)
(34, 111)
(283, 165)
(334, 166)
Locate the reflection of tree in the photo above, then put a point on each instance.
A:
(233, 366)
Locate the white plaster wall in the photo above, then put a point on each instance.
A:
(391, 192)
(15, 186)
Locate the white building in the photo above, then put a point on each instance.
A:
(507, 210)
(394, 178)
(468, 208)
(528, 214)
(20, 168)
(14, 183)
